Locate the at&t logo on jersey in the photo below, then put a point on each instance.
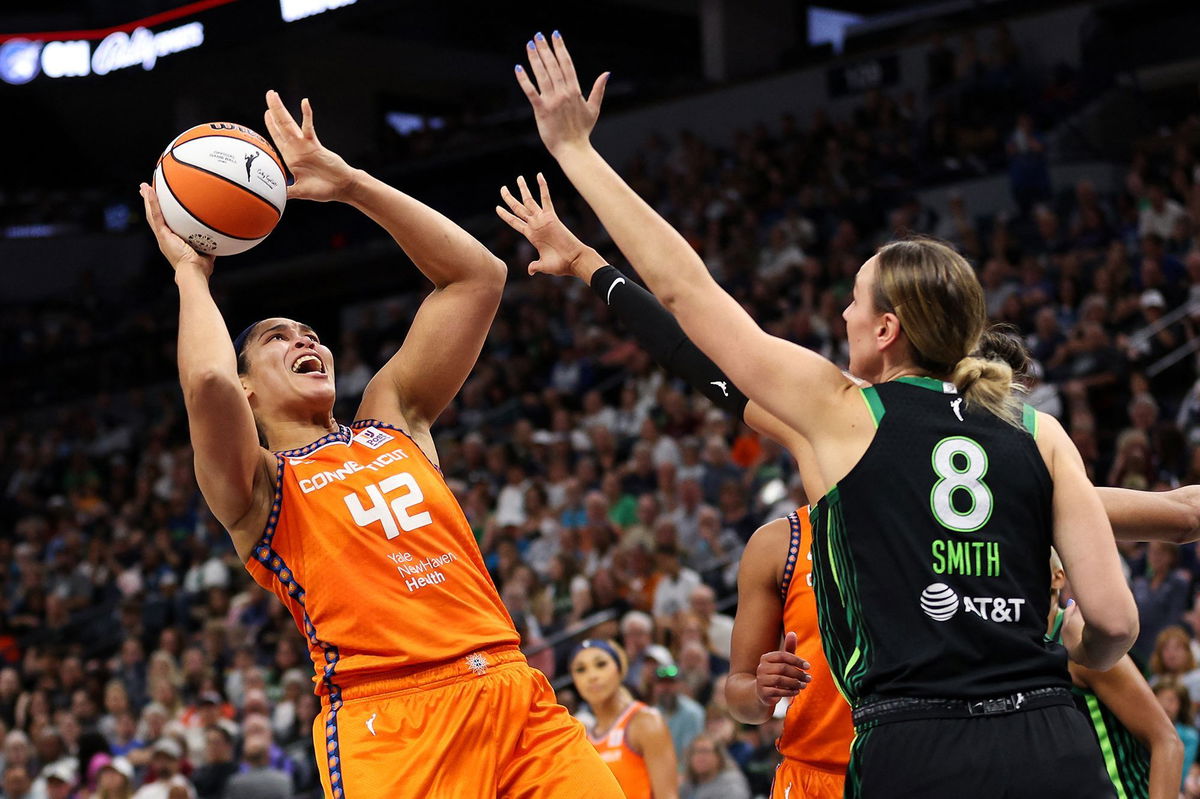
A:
(940, 602)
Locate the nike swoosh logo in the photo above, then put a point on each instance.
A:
(615, 283)
(371, 723)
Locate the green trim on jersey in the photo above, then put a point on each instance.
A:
(931, 383)
(1029, 418)
(874, 404)
(1107, 747)
(853, 786)
(831, 545)
(1126, 759)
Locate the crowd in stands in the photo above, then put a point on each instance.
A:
(137, 658)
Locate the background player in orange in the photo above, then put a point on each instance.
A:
(630, 736)
(424, 692)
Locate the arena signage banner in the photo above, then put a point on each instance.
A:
(22, 60)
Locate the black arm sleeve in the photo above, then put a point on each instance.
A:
(660, 335)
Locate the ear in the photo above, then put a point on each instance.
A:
(1058, 580)
(247, 387)
(887, 330)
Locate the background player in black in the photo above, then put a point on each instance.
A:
(917, 312)
(1143, 755)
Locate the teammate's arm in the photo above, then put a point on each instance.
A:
(446, 336)
(230, 466)
(1124, 691)
(792, 383)
(1083, 538)
(650, 737)
(760, 672)
(560, 252)
(1172, 516)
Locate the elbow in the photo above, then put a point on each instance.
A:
(1187, 529)
(206, 383)
(1117, 634)
(494, 271)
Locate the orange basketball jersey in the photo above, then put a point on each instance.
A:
(369, 550)
(817, 730)
(627, 765)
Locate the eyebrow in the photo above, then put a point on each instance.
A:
(284, 326)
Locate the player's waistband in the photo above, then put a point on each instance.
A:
(884, 710)
(425, 675)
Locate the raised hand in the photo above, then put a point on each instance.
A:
(321, 174)
(564, 118)
(178, 252)
(559, 251)
(781, 673)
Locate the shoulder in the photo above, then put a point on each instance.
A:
(647, 719)
(765, 553)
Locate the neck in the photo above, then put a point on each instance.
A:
(607, 711)
(900, 370)
(293, 434)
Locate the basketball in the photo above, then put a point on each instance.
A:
(222, 187)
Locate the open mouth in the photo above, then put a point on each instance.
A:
(308, 365)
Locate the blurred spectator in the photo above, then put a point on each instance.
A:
(219, 764)
(710, 773)
(1028, 170)
(1173, 660)
(1161, 594)
(168, 783)
(1174, 700)
(684, 716)
(718, 626)
(258, 780)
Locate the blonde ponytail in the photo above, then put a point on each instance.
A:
(989, 385)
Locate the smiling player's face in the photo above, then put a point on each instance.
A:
(289, 367)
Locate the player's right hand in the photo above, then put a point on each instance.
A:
(781, 673)
(559, 251)
(178, 252)
(564, 118)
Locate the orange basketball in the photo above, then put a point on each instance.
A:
(222, 187)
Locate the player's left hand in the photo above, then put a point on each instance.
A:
(559, 251)
(320, 173)
(179, 253)
(781, 673)
(564, 118)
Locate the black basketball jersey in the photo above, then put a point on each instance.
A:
(931, 557)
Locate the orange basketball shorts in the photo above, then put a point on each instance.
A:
(795, 780)
(481, 727)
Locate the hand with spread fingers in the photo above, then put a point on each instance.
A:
(178, 252)
(320, 173)
(781, 673)
(564, 118)
(559, 251)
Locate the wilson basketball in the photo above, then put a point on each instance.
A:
(222, 187)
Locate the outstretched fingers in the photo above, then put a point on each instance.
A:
(306, 119)
(518, 208)
(526, 195)
(550, 62)
(279, 120)
(544, 82)
(544, 190)
(511, 220)
(527, 86)
(597, 96)
(570, 80)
